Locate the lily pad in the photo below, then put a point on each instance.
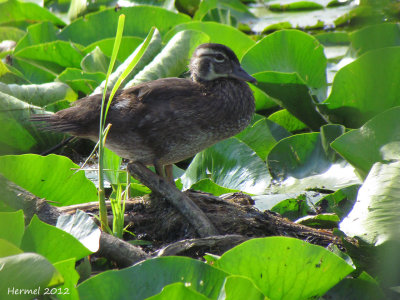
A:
(231, 164)
(364, 88)
(290, 51)
(285, 268)
(52, 177)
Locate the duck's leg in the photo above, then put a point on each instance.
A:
(159, 168)
(195, 216)
(169, 174)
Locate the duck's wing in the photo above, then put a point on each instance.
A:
(139, 106)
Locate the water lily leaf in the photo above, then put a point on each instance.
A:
(173, 59)
(7, 248)
(81, 226)
(303, 200)
(290, 51)
(375, 215)
(62, 53)
(295, 6)
(298, 156)
(222, 16)
(292, 208)
(285, 268)
(291, 92)
(363, 88)
(67, 269)
(337, 176)
(307, 19)
(85, 30)
(14, 220)
(235, 8)
(240, 287)
(287, 120)
(149, 277)
(262, 136)
(375, 37)
(218, 33)
(15, 12)
(37, 34)
(340, 202)
(40, 94)
(178, 290)
(356, 288)
(323, 221)
(363, 147)
(52, 177)
(9, 74)
(231, 164)
(128, 45)
(28, 271)
(333, 38)
(95, 61)
(51, 242)
(32, 71)
(17, 134)
(81, 81)
(208, 186)
(263, 101)
(11, 33)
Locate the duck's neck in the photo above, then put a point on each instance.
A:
(235, 99)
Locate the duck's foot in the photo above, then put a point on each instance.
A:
(183, 203)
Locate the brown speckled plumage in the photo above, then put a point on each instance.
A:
(167, 120)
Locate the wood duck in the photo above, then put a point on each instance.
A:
(165, 121)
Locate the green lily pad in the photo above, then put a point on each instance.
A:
(128, 45)
(61, 53)
(27, 271)
(40, 94)
(240, 287)
(95, 61)
(285, 268)
(291, 92)
(218, 33)
(287, 120)
(324, 221)
(52, 177)
(296, 6)
(85, 31)
(363, 147)
(231, 164)
(37, 34)
(262, 136)
(82, 227)
(290, 51)
(178, 290)
(51, 242)
(364, 88)
(67, 269)
(16, 12)
(14, 220)
(375, 37)
(298, 156)
(375, 216)
(17, 134)
(148, 278)
(81, 81)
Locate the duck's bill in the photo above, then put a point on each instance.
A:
(241, 74)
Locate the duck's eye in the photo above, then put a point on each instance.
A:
(219, 58)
